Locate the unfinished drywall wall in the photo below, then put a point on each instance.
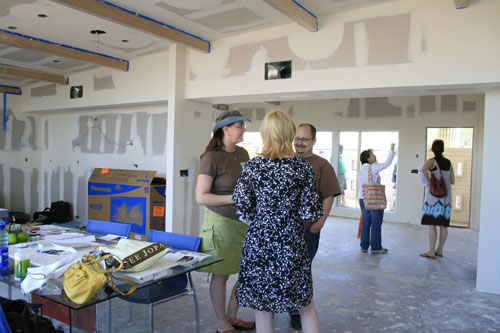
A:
(72, 145)
(386, 40)
(104, 87)
(410, 116)
(394, 45)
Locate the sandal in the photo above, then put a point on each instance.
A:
(228, 331)
(425, 255)
(438, 254)
(243, 325)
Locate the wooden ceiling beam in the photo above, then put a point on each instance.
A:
(32, 74)
(296, 12)
(32, 43)
(125, 17)
(460, 4)
(10, 90)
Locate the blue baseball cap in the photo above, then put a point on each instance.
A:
(227, 118)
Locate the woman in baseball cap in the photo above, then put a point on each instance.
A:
(222, 233)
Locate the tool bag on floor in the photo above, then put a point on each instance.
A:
(21, 318)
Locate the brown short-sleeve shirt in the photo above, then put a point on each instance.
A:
(224, 168)
(327, 184)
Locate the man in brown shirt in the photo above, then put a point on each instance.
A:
(326, 185)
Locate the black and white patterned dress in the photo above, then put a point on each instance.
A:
(274, 196)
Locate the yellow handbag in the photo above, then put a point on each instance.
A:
(83, 279)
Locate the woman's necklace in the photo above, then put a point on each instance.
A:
(233, 153)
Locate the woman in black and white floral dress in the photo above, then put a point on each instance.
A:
(275, 195)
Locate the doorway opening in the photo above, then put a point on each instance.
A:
(353, 143)
(458, 143)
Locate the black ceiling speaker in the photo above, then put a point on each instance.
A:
(278, 70)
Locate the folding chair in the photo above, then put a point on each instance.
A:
(172, 288)
(108, 228)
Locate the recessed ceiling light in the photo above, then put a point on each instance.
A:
(12, 28)
(97, 32)
(42, 15)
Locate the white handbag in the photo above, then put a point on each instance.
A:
(138, 255)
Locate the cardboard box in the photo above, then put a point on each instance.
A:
(128, 196)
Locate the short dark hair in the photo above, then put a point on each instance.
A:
(365, 155)
(313, 130)
(437, 147)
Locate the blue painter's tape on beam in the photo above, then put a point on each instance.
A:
(304, 8)
(65, 46)
(5, 118)
(161, 23)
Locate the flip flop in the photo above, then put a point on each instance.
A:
(425, 255)
(243, 325)
(438, 254)
(228, 331)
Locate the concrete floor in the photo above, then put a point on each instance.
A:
(358, 292)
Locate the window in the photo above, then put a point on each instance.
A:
(354, 143)
(323, 147)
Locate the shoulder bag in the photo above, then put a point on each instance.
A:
(373, 194)
(138, 255)
(83, 279)
(438, 187)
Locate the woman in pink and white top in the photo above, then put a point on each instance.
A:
(372, 219)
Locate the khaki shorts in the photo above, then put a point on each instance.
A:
(222, 237)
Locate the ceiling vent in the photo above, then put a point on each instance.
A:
(278, 70)
(76, 92)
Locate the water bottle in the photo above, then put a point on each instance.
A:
(21, 261)
(4, 249)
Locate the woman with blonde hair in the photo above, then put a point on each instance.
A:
(276, 196)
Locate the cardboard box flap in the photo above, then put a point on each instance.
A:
(159, 181)
(124, 177)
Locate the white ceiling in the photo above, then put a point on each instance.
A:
(207, 19)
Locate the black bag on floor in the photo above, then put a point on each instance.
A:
(42, 217)
(60, 212)
(22, 319)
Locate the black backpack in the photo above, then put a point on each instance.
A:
(60, 212)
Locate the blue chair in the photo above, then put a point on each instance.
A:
(108, 228)
(172, 288)
(4, 326)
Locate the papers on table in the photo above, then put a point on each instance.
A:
(110, 238)
(185, 258)
(69, 237)
(57, 243)
(76, 241)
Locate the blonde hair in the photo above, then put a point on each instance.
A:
(277, 131)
